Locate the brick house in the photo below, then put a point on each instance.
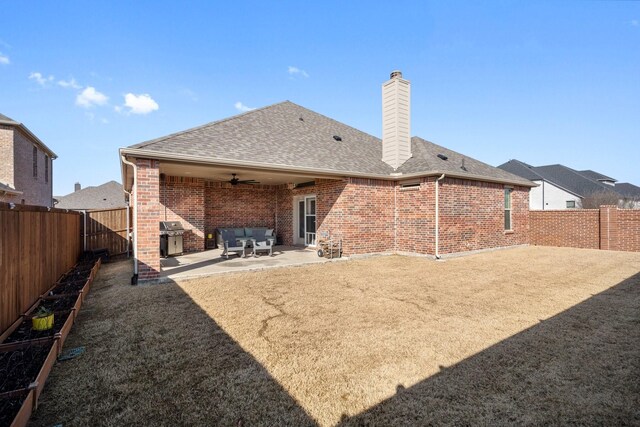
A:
(308, 176)
(26, 166)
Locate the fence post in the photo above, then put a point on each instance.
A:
(84, 230)
(609, 227)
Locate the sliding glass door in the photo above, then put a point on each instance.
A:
(305, 224)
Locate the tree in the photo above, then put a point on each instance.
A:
(600, 198)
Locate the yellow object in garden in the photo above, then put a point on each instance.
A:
(42, 323)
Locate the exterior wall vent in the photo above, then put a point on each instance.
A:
(396, 120)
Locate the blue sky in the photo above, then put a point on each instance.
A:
(543, 82)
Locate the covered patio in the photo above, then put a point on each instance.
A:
(211, 262)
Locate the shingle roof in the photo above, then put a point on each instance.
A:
(105, 196)
(628, 190)
(287, 134)
(521, 169)
(571, 180)
(425, 158)
(596, 176)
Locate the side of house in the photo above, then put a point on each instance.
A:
(310, 177)
(26, 172)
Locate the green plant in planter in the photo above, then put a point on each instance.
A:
(41, 312)
(42, 319)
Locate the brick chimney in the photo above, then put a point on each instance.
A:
(77, 187)
(396, 120)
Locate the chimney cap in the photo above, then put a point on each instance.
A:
(396, 74)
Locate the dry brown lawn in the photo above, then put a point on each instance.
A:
(523, 336)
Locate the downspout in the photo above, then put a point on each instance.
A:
(438, 216)
(128, 225)
(134, 279)
(543, 194)
(395, 217)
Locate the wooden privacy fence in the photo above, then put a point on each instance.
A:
(107, 229)
(37, 246)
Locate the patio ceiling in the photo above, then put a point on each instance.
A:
(220, 173)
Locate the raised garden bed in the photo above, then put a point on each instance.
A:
(27, 356)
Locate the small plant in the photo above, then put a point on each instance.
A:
(42, 312)
(42, 319)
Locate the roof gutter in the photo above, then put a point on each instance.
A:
(12, 192)
(330, 173)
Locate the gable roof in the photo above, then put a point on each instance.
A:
(628, 190)
(4, 120)
(105, 196)
(596, 176)
(572, 180)
(521, 169)
(561, 176)
(286, 135)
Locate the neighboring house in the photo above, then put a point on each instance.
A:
(630, 194)
(26, 166)
(559, 187)
(105, 196)
(309, 177)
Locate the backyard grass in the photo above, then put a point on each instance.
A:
(522, 336)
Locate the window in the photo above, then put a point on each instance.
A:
(46, 168)
(35, 161)
(571, 204)
(507, 209)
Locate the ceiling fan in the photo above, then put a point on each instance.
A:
(236, 181)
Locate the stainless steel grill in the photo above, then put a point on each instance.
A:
(171, 238)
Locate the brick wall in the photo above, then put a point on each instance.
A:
(360, 211)
(607, 228)
(183, 199)
(577, 228)
(415, 217)
(16, 157)
(239, 206)
(6, 155)
(472, 216)
(629, 226)
(149, 215)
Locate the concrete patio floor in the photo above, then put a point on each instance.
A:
(211, 262)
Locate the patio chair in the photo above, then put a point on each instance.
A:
(231, 244)
(261, 242)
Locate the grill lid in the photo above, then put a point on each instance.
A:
(171, 226)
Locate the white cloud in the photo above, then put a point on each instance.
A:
(40, 79)
(91, 97)
(295, 71)
(635, 22)
(4, 59)
(73, 84)
(139, 104)
(241, 107)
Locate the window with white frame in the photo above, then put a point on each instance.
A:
(507, 209)
(571, 204)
